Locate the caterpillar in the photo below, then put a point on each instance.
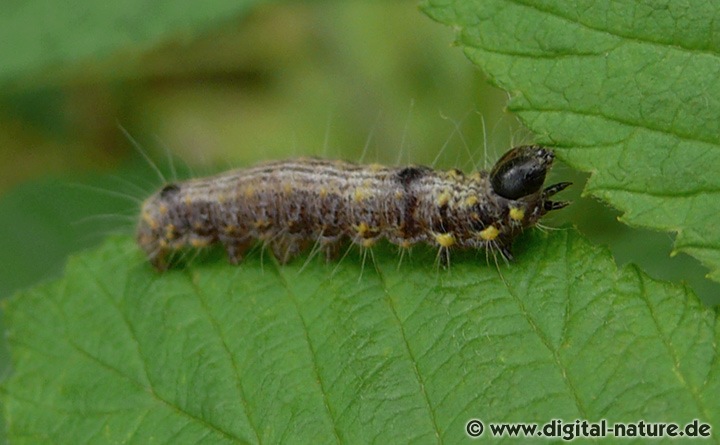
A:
(290, 205)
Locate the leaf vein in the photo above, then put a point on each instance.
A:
(138, 349)
(543, 337)
(618, 120)
(218, 331)
(150, 390)
(413, 359)
(313, 354)
(616, 33)
(669, 345)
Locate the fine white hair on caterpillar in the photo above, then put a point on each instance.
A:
(294, 204)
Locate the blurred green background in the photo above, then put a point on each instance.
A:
(230, 84)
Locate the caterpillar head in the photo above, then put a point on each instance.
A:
(521, 171)
(517, 180)
(520, 174)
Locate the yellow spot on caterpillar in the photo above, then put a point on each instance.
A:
(163, 209)
(150, 221)
(170, 231)
(489, 233)
(221, 198)
(471, 201)
(445, 239)
(375, 167)
(361, 194)
(444, 198)
(398, 194)
(454, 173)
(199, 242)
(249, 192)
(261, 223)
(287, 188)
(368, 242)
(476, 176)
(323, 192)
(230, 229)
(405, 244)
(517, 214)
(163, 244)
(362, 229)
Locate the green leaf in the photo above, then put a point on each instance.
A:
(115, 352)
(44, 34)
(626, 90)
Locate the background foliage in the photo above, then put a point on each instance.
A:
(230, 83)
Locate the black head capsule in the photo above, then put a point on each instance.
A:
(521, 171)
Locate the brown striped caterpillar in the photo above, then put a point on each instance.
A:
(292, 204)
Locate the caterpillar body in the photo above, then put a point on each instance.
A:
(290, 205)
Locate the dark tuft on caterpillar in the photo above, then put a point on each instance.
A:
(169, 190)
(409, 174)
(290, 205)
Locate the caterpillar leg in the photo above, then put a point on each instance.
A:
(286, 248)
(552, 190)
(507, 253)
(236, 249)
(331, 250)
(444, 257)
(159, 260)
(555, 188)
(555, 205)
